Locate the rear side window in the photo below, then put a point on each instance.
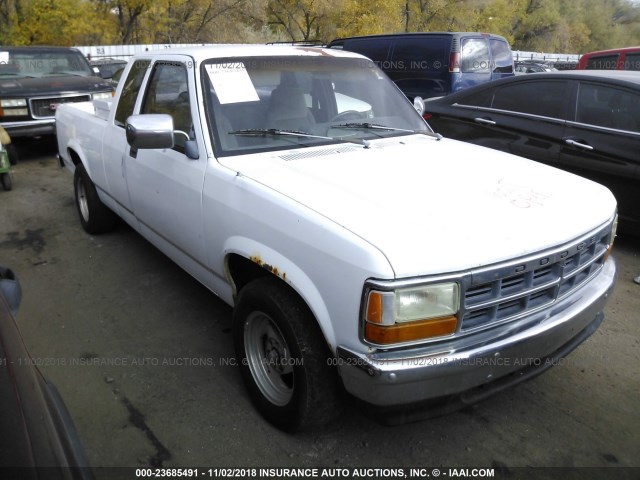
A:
(609, 107)
(430, 54)
(502, 57)
(130, 91)
(546, 99)
(602, 62)
(475, 56)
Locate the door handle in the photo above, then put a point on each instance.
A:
(133, 152)
(577, 144)
(484, 121)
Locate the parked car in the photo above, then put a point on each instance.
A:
(614, 59)
(107, 67)
(585, 122)
(436, 63)
(357, 248)
(38, 437)
(35, 80)
(529, 66)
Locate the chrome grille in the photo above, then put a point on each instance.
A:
(46, 107)
(506, 292)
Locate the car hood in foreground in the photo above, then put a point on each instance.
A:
(434, 206)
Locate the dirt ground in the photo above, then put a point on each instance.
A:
(142, 355)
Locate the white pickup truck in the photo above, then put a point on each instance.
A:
(359, 249)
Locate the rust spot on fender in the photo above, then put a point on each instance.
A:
(274, 270)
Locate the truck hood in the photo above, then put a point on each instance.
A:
(50, 84)
(434, 206)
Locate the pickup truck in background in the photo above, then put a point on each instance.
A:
(358, 249)
(35, 80)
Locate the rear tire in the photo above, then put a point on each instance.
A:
(283, 357)
(95, 216)
(7, 183)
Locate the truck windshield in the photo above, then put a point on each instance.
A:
(322, 99)
(34, 64)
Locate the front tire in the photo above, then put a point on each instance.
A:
(95, 216)
(283, 357)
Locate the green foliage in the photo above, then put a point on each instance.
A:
(568, 26)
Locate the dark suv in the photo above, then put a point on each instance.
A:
(435, 64)
(35, 80)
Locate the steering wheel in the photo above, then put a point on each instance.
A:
(346, 115)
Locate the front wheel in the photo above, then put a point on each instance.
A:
(95, 216)
(283, 357)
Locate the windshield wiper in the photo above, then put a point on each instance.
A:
(263, 132)
(371, 126)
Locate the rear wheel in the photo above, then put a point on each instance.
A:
(95, 216)
(283, 357)
(5, 179)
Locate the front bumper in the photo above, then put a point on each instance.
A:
(30, 128)
(529, 345)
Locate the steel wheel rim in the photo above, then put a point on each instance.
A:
(83, 204)
(268, 358)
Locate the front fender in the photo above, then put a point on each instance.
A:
(287, 270)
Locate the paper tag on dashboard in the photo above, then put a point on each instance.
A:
(231, 82)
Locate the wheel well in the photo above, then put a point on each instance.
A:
(75, 158)
(242, 271)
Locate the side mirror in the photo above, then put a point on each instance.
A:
(149, 131)
(418, 104)
(10, 289)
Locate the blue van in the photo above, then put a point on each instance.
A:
(434, 64)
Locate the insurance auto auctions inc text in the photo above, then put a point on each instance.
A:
(374, 473)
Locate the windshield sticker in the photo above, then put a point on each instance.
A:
(232, 83)
(4, 58)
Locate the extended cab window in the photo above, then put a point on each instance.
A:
(546, 99)
(168, 93)
(130, 91)
(609, 107)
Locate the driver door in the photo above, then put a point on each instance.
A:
(165, 185)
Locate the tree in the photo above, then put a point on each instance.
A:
(49, 22)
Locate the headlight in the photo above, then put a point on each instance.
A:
(13, 102)
(102, 95)
(13, 107)
(411, 313)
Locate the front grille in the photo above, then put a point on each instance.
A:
(506, 292)
(46, 107)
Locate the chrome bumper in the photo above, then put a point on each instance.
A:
(531, 344)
